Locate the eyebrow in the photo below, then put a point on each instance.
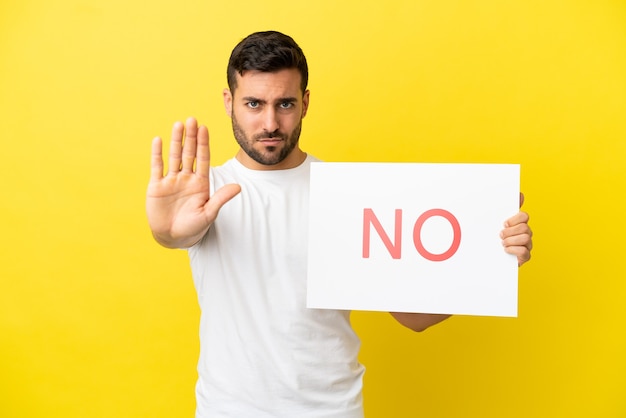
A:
(280, 99)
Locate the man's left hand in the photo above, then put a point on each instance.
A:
(517, 237)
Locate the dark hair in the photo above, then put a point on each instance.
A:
(267, 52)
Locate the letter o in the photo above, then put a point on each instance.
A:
(417, 232)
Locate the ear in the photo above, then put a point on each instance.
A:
(305, 102)
(228, 102)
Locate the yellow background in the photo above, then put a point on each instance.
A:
(97, 320)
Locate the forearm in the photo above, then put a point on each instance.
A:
(418, 321)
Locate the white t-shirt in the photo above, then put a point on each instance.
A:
(262, 352)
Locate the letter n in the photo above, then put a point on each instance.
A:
(370, 219)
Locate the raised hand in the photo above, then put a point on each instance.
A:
(517, 237)
(179, 205)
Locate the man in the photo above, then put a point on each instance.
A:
(262, 352)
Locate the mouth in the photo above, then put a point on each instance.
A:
(270, 142)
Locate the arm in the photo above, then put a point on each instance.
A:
(179, 206)
(418, 322)
(516, 239)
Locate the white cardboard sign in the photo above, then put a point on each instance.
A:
(408, 237)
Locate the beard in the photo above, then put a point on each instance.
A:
(269, 155)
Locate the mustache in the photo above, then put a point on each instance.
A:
(270, 135)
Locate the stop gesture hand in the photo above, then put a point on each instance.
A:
(179, 205)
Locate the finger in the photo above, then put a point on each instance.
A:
(175, 148)
(219, 198)
(521, 199)
(521, 240)
(518, 218)
(522, 254)
(518, 229)
(156, 161)
(203, 154)
(189, 147)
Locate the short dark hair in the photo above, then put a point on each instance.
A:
(268, 51)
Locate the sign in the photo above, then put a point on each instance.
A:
(408, 237)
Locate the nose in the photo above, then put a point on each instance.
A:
(270, 119)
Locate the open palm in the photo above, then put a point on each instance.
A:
(179, 205)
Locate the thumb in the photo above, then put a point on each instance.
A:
(220, 198)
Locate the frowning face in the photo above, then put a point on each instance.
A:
(266, 109)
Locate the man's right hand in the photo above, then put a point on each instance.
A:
(179, 205)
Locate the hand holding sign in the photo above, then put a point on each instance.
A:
(517, 235)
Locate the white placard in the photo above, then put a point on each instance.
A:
(408, 237)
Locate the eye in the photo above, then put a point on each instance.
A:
(286, 105)
(253, 104)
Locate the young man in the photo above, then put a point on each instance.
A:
(262, 352)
